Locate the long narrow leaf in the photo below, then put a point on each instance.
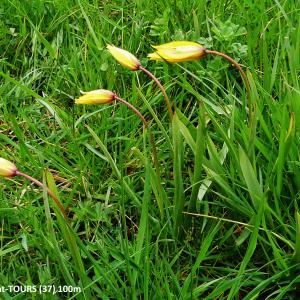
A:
(115, 168)
(199, 157)
(177, 170)
(253, 185)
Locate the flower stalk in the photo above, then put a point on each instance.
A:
(50, 193)
(99, 97)
(8, 169)
(131, 107)
(161, 87)
(181, 51)
(243, 75)
(130, 62)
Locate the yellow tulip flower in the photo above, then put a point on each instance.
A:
(129, 61)
(7, 168)
(96, 97)
(178, 52)
(124, 57)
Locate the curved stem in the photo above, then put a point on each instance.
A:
(50, 193)
(130, 106)
(167, 100)
(243, 74)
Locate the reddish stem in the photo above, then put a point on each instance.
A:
(51, 194)
(243, 74)
(167, 100)
(130, 106)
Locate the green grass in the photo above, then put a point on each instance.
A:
(225, 222)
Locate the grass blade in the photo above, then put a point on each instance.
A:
(199, 157)
(297, 244)
(114, 167)
(69, 238)
(249, 253)
(253, 186)
(177, 170)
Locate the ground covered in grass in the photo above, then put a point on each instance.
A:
(221, 221)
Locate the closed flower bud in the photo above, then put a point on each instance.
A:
(7, 168)
(124, 57)
(96, 97)
(180, 51)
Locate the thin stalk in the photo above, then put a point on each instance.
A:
(167, 100)
(243, 74)
(130, 106)
(50, 193)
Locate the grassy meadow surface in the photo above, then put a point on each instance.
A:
(221, 222)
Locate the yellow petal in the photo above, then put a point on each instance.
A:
(124, 57)
(96, 97)
(7, 168)
(176, 44)
(155, 56)
(178, 51)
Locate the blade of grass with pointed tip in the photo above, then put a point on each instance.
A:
(53, 112)
(197, 292)
(96, 152)
(187, 136)
(191, 128)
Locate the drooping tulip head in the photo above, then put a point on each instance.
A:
(7, 168)
(179, 51)
(96, 97)
(124, 57)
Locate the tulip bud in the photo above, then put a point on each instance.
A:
(177, 52)
(124, 57)
(96, 97)
(7, 168)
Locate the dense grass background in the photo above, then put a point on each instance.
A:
(126, 240)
